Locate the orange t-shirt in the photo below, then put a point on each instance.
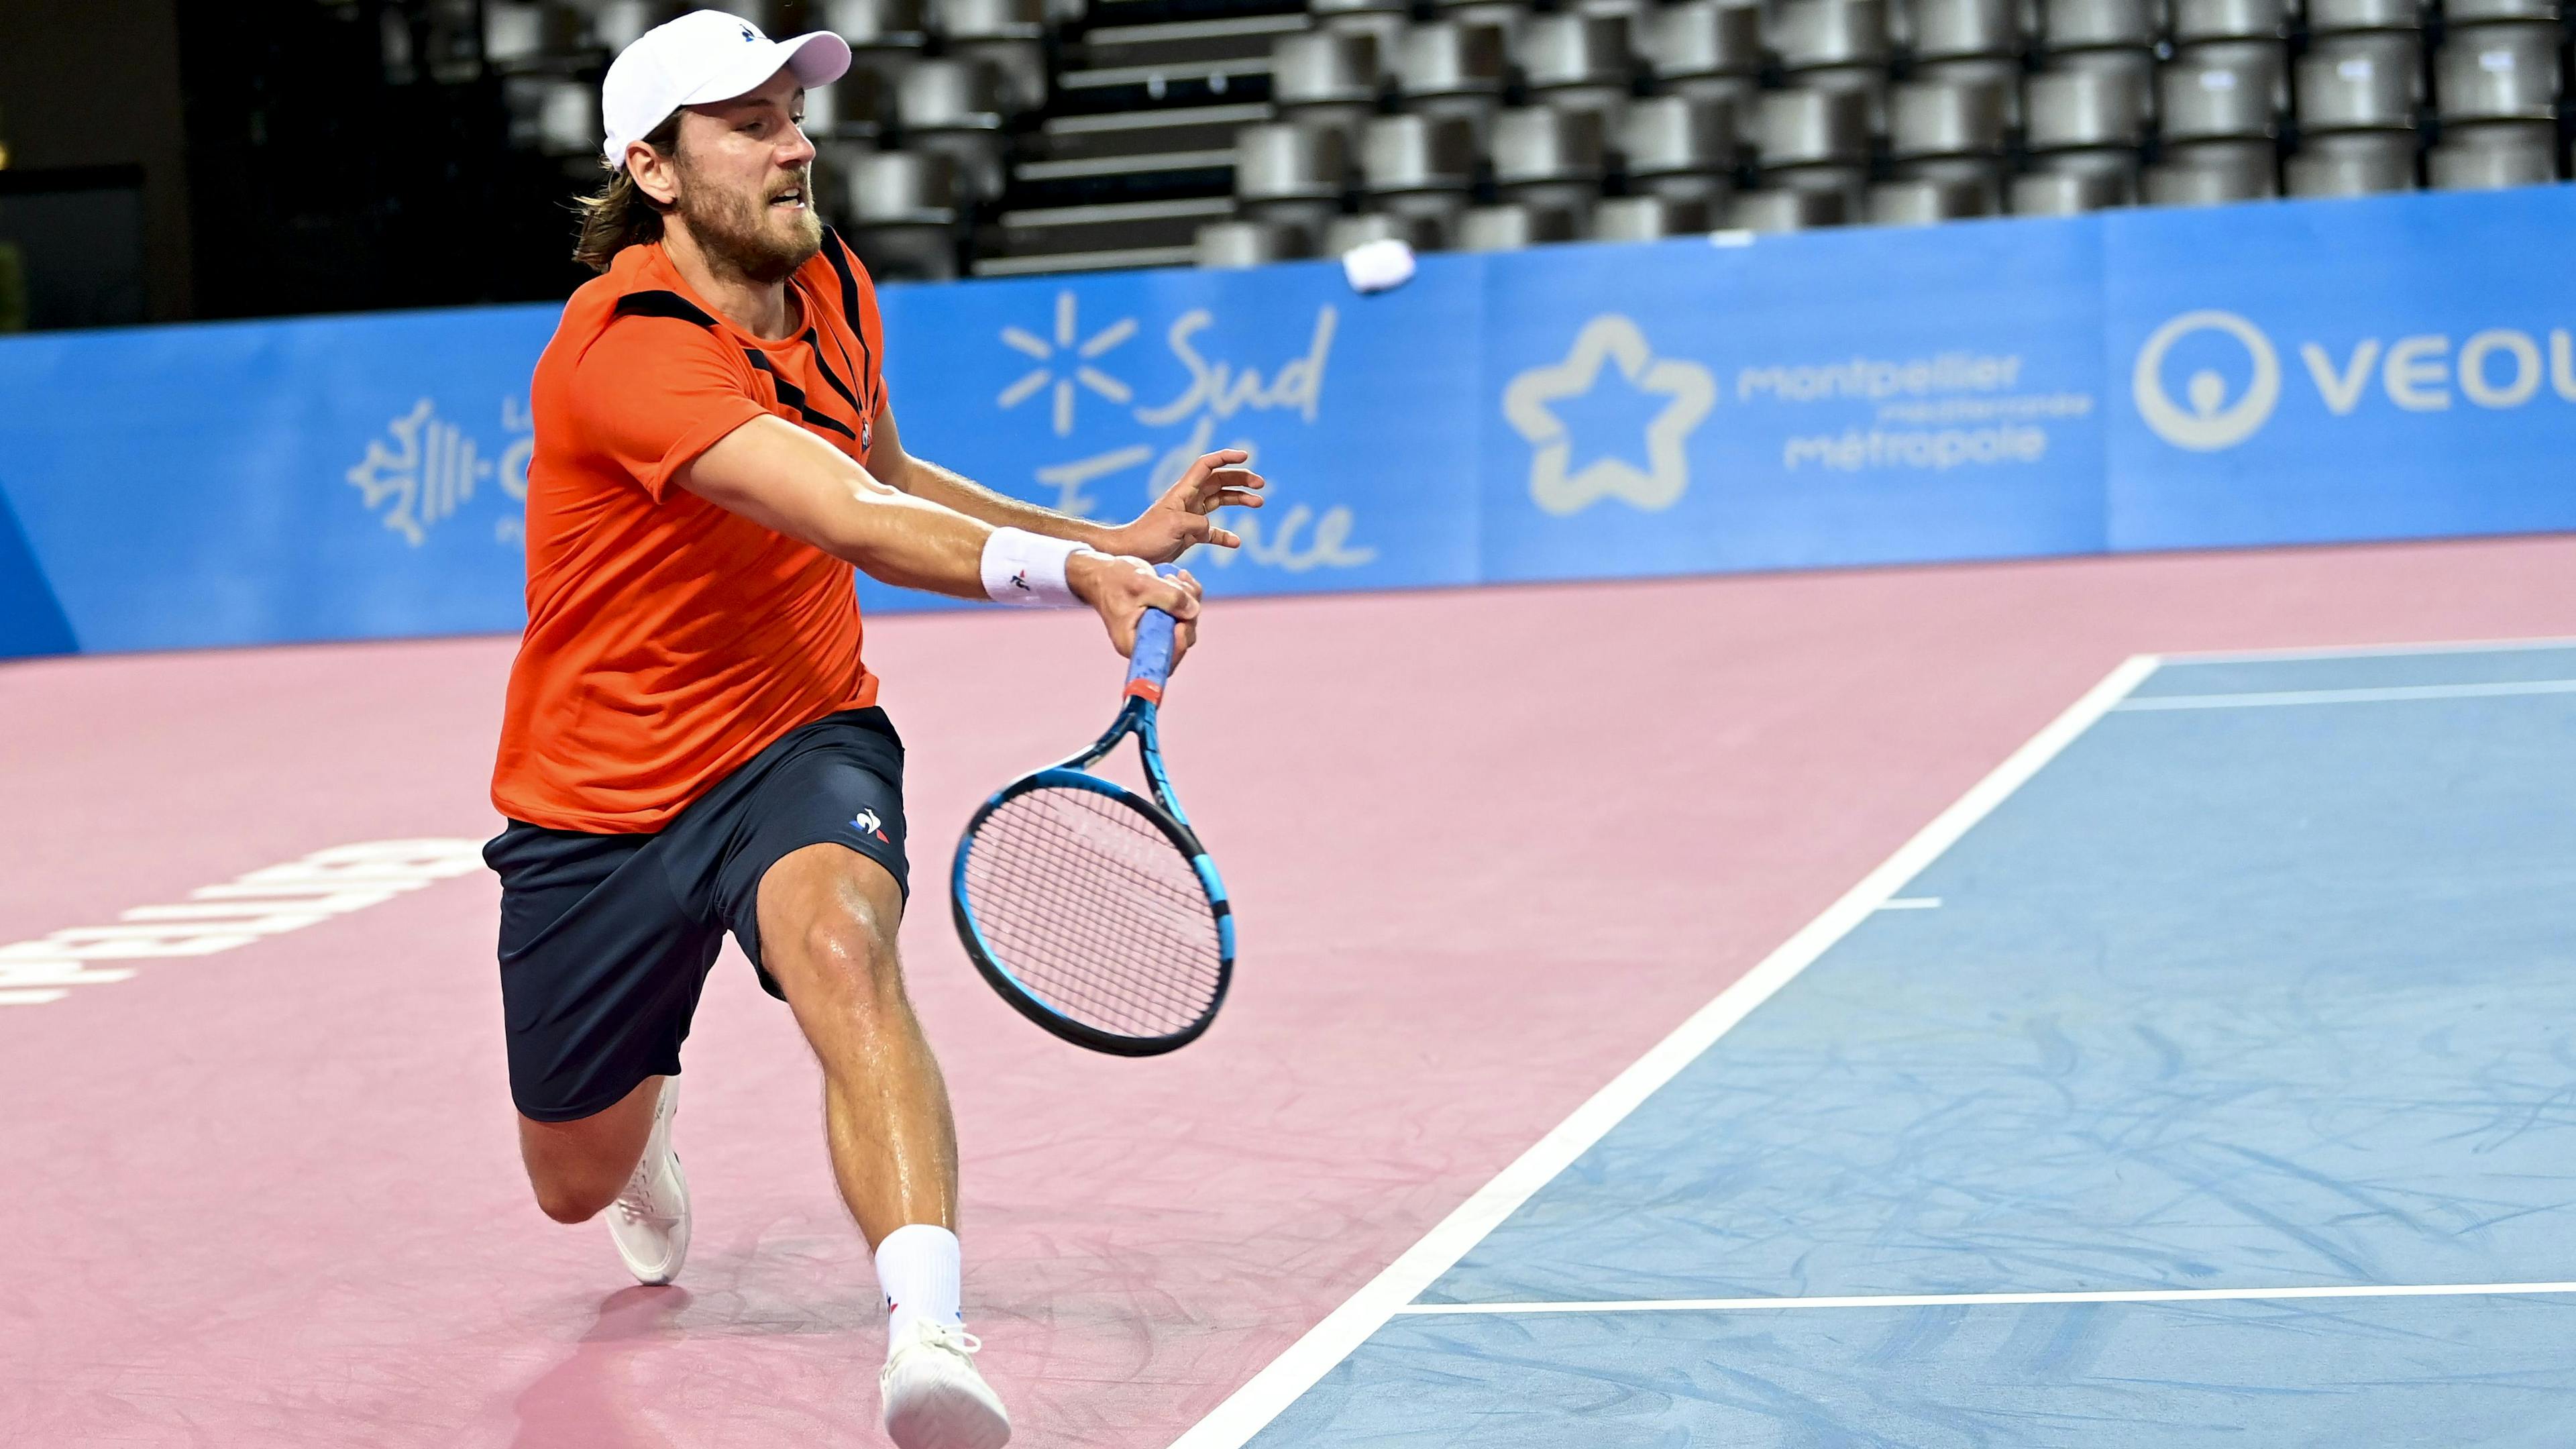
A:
(670, 640)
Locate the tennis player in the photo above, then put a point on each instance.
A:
(691, 743)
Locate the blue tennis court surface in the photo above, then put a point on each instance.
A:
(2262, 985)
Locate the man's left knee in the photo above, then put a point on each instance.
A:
(828, 918)
(848, 954)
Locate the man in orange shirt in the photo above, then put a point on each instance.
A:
(691, 743)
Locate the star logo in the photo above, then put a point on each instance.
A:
(1063, 363)
(1609, 338)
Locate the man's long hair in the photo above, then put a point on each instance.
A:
(619, 215)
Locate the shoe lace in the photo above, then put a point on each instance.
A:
(950, 1336)
(635, 1200)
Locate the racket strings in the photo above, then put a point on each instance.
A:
(1096, 911)
(1091, 932)
(1086, 915)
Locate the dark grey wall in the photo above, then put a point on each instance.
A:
(96, 83)
(78, 239)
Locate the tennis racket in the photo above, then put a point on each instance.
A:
(1095, 911)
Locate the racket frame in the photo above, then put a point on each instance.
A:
(1135, 717)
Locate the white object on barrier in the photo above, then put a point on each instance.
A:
(1378, 266)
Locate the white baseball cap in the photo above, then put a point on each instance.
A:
(702, 57)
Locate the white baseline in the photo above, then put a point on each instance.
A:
(2350, 696)
(1233, 1423)
(2181, 659)
(1985, 1300)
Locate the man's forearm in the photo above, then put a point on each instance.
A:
(927, 480)
(791, 482)
(911, 543)
(787, 480)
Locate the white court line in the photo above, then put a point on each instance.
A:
(1233, 1423)
(2348, 696)
(1977, 1300)
(2184, 660)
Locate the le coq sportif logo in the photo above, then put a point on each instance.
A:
(2206, 419)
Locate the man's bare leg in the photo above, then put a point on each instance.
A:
(827, 933)
(828, 917)
(579, 1167)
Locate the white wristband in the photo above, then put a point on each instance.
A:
(1027, 568)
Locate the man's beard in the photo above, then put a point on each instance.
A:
(738, 234)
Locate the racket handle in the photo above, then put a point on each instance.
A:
(1150, 663)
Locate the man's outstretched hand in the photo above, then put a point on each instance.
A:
(1180, 518)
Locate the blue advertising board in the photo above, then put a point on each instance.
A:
(1858, 397)
(240, 483)
(2387, 367)
(2274, 373)
(1093, 397)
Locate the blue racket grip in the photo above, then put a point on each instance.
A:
(1150, 663)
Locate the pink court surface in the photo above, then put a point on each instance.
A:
(1487, 847)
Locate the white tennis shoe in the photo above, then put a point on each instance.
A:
(934, 1399)
(649, 1222)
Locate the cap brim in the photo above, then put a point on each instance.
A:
(817, 59)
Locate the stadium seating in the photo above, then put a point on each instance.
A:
(2356, 115)
(2389, 34)
(1454, 69)
(1836, 47)
(1579, 63)
(1924, 200)
(2481, 161)
(2084, 120)
(1292, 173)
(2069, 193)
(1705, 48)
(1360, 228)
(1646, 218)
(1325, 79)
(1510, 226)
(2115, 37)
(1549, 159)
(2220, 125)
(902, 207)
(1249, 243)
(2244, 36)
(1949, 132)
(1382, 21)
(1788, 209)
(1013, 136)
(1680, 148)
(1422, 169)
(1816, 140)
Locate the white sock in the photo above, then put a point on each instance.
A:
(918, 1267)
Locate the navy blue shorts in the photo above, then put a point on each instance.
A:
(606, 940)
